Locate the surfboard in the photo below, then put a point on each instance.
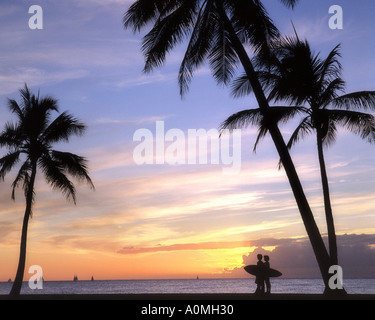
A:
(255, 271)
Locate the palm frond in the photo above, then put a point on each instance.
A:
(15, 108)
(54, 175)
(167, 32)
(241, 87)
(62, 128)
(8, 162)
(359, 123)
(48, 104)
(330, 68)
(330, 93)
(255, 117)
(252, 23)
(223, 58)
(303, 129)
(142, 12)
(364, 100)
(11, 137)
(328, 131)
(262, 132)
(26, 98)
(200, 44)
(73, 164)
(283, 114)
(243, 119)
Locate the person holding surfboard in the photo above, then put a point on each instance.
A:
(267, 268)
(262, 273)
(259, 278)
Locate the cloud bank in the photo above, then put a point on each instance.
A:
(295, 257)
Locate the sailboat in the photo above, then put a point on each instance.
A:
(92, 278)
(75, 278)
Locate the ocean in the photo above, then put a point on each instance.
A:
(279, 285)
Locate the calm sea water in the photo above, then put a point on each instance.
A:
(352, 286)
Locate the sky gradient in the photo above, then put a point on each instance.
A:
(175, 221)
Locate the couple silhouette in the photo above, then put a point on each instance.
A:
(262, 278)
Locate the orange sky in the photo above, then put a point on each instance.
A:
(153, 227)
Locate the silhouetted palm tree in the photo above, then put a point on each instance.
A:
(295, 75)
(218, 31)
(30, 140)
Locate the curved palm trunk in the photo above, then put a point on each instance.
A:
(313, 232)
(327, 203)
(16, 288)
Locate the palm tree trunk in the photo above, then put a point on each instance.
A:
(313, 232)
(327, 203)
(16, 288)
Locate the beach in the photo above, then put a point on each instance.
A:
(191, 297)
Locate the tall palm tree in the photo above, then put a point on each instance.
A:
(30, 141)
(219, 31)
(294, 74)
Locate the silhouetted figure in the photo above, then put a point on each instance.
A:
(267, 281)
(259, 279)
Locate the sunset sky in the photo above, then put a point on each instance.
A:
(184, 220)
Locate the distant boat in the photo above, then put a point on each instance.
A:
(92, 278)
(197, 278)
(9, 280)
(75, 278)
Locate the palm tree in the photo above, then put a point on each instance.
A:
(219, 31)
(30, 140)
(295, 75)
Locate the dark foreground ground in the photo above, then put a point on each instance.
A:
(191, 297)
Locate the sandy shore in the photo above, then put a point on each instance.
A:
(192, 297)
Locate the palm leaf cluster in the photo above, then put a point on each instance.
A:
(205, 27)
(294, 75)
(32, 136)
